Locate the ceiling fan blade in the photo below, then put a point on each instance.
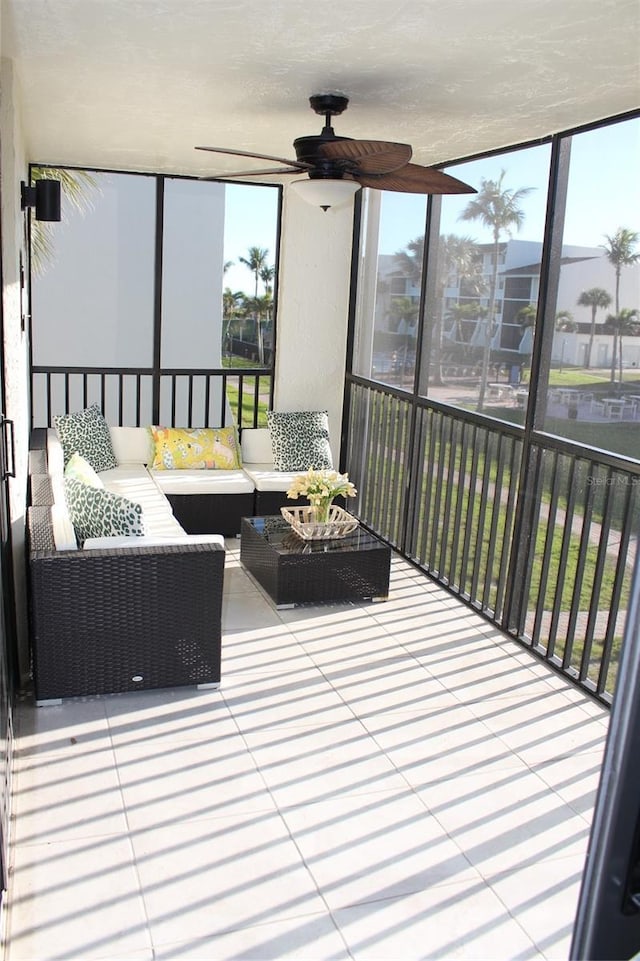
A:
(253, 173)
(369, 156)
(298, 164)
(414, 179)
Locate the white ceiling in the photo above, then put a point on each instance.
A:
(136, 84)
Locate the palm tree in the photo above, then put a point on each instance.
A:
(77, 187)
(454, 255)
(255, 260)
(565, 322)
(459, 314)
(410, 259)
(261, 307)
(410, 262)
(594, 298)
(459, 256)
(526, 316)
(620, 250)
(267, 273)
(232, 302)
(625, 322)
(404, 311)
(497, 208)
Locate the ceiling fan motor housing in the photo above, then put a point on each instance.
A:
(329, 105)
(306, 149)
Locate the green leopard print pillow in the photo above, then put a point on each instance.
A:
(87, 433)
(300, 439)
(97, 512)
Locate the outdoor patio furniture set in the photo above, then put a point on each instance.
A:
(587, 405)
(126, 549)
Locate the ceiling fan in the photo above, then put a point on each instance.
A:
(348, 164)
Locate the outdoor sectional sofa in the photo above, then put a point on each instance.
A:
(121, 613)
(116, 614)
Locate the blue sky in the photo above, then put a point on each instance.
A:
(251, 219)
(604, 194)
(604, 191)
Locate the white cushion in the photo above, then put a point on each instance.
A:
(266, 478)
(64, 535)
(136, 484)
(55, 454)
(149, 540)
(203, 481)
(162, 524)
(132, 445)
(256, 446)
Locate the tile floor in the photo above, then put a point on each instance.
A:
(372, 781)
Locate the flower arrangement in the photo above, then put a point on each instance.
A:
(320, 487)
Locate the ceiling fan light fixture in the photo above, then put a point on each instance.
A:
(325, 192)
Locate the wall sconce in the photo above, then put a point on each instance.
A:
(45, 197)
(325, 192)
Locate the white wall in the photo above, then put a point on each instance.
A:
(313, 307)
(597, 272)
(570, 349)
(16, 348)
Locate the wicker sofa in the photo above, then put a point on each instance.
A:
(118, 614)
(132, 613)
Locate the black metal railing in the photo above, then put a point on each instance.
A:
(574, 579)
(379, 446)
(542, 545)
(143, 396)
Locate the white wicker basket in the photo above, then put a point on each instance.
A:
(303, 522)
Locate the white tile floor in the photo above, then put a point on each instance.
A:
(372, 781)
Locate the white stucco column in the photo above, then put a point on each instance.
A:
(313, 303)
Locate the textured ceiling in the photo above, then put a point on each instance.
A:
(136, 84)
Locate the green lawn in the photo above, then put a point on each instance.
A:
(591, 379)
(246, 417)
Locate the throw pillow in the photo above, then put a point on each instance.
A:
(81, 470)
(300, 440)
(86, 432)
(195, 448)
(97, 512)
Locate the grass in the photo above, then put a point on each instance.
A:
(246, 414)
(618, 437)
(592, 378)
(245, 418)
(462, 515)
(238, 362)
(455, 520)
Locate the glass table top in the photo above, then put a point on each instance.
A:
(281, 538)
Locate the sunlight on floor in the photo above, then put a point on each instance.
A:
(372, 781)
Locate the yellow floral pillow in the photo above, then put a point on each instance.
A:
(197, 448)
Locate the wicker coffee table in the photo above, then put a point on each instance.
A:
(294, 571)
